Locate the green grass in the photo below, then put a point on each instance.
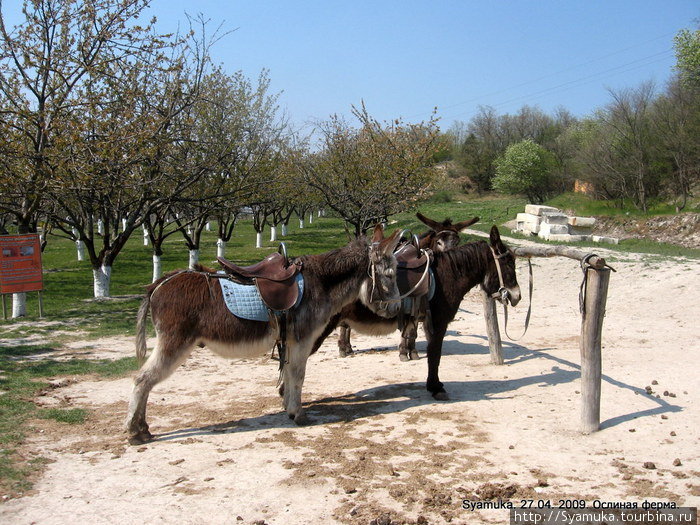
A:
(584, 205)
(71, 416)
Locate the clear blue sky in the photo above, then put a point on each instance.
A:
(405, 57)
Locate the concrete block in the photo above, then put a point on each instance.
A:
(536, 209)
(582, 222)
(577, 230)
(565, 237)
(527, 221)
(555, 217)
(548, 229)
(603, 239)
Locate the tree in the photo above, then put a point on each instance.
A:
(524, 168)
(366, 174)
(687, 45)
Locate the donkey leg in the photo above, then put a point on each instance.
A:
(294, 374)
(407, 348)
(344, 346)
(161, 363)
(434, 351)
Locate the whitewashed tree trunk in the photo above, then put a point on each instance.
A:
(75, 232)
(80, 246)
(221, 248)
(311, 218)
(301, 224)
(194, 258)
(258, 240)
(320, 213)
(207, 226)
(19, 305)
(189, 231)
(273, 233)
(284, 230)
(145, 237)
(156, 268)
(100, 227)
(123, 225)
(101, 278)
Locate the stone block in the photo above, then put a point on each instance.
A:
(577, 230)
(528, 222)
(555, 217)
(603, 239)
(565, 237)
(536, 209)
(549, 229)
(582, 222)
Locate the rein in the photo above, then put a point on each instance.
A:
(502, 295)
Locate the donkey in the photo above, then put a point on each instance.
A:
(441, 237)
(187, 310)
(456, 271)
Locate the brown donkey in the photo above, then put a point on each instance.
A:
(441, 237)
(188, 311)
(456, 271)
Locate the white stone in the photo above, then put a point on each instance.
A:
(555, 217)
(582, 222)
(565, 237)
(608, 240)
(537, 209)
(550, 229)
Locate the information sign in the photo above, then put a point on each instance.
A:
(20, 264)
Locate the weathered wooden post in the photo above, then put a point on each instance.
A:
(494, 334)
(596, 291)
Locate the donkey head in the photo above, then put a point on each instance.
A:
(379, 292)
(442, 235)
(500, 277)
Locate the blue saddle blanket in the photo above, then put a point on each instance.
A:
(244, 301)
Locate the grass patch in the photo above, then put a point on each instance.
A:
(71, 416)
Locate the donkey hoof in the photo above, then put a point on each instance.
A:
(140, 438)
(403, 357)
(414, 355)
(302, 419)
(344, 352)
(441, 396)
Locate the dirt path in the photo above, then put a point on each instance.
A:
(379, 444)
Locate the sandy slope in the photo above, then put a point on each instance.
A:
(379, 444)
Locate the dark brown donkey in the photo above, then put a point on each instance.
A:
(188, 310)
(441, 237)
(456, 272)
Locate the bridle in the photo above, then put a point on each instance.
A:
(503, 295)
(372, 272)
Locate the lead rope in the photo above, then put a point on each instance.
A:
(529, 309)
(502, 295)
(582, 291)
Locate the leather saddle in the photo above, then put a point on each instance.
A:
(412, 270)
(274, 276)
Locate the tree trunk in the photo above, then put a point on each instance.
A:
(221, 248)
(194, 258)
(101, 278)
(301, 224)
(273, 233)
(258, 240)
(156, 268)
(284, 229)
(19, 305)
(80, 245)
(145, 237)
(311, 218)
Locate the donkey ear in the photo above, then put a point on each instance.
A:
(388, 245)
(378, 234)
(461, 226)
(433, 225)
(495, 236)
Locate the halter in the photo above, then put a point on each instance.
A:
(503, 295)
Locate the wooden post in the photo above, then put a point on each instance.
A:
(41, 305)
(590, 344)
(494, 334)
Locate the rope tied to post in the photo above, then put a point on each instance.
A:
(585, 265)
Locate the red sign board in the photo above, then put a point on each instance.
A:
(20, 263)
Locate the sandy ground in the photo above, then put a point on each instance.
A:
(380, 449)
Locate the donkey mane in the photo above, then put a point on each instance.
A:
(466, 258)
(341, 261)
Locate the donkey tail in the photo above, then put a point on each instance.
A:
(141, 319)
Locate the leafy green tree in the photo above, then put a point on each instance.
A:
(687, 44)
(524, 168)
